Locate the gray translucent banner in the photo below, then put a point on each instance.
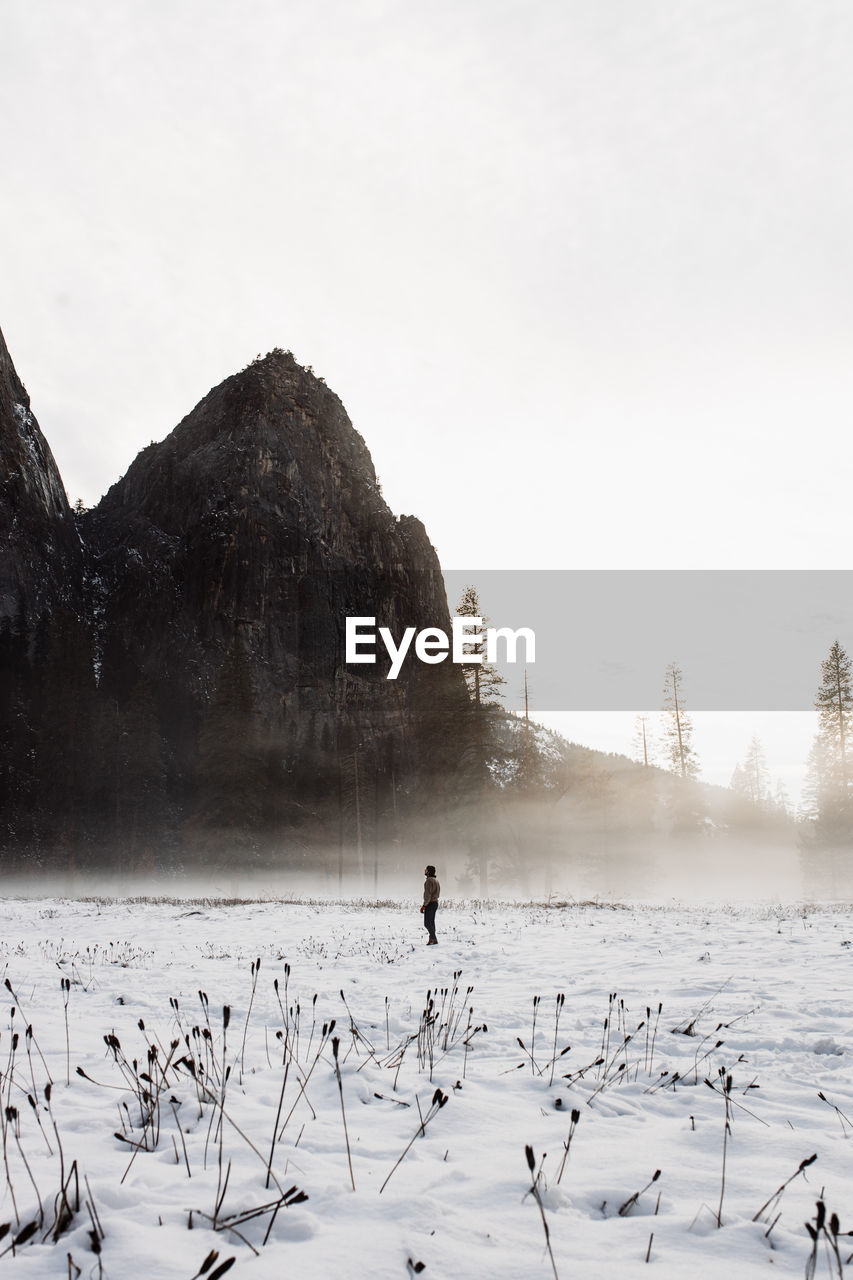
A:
(746, 640)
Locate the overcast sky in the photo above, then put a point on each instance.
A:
(580, 270)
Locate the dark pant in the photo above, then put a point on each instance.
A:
(429, 917)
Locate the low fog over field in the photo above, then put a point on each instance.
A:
(708, 869)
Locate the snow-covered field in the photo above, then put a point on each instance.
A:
(149, 1142)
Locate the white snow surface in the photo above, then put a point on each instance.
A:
(771, 983)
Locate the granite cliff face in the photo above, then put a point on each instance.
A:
(259, 517)
(177, 653)
(41, 562)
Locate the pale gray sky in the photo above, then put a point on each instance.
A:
(580, 272)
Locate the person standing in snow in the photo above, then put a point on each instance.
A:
(432, 889)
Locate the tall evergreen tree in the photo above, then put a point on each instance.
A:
(483, 678)
(677, 727)
(834, 705)
(751, 778)
(644, 745)
(828, 793)
(781, 799)
(483, 682)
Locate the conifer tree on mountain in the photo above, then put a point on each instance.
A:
(781, 799)
(677, 727)
(483, 682)
(751, 779)
(483, 679)
(834, 705)
(644, 743)
(828, 795)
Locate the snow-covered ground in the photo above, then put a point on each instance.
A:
(760, 994)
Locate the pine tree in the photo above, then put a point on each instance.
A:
(737, 782)
(644, 743)
(817, 767)
(483, 679)
(751, 779)
(828, 795)
(781, 799)
(483, 682)
(834, 705)
(677, 727)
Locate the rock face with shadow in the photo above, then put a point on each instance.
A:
(41, 560)
(204, 602)
(259, 517)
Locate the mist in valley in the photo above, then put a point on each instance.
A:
(579, 863)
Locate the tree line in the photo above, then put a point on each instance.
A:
(825, 815)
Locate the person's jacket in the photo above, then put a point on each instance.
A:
(432, 889)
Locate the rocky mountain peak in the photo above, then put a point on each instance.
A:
(42, 563)
(190, 640)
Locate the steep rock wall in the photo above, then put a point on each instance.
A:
(40, 555)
